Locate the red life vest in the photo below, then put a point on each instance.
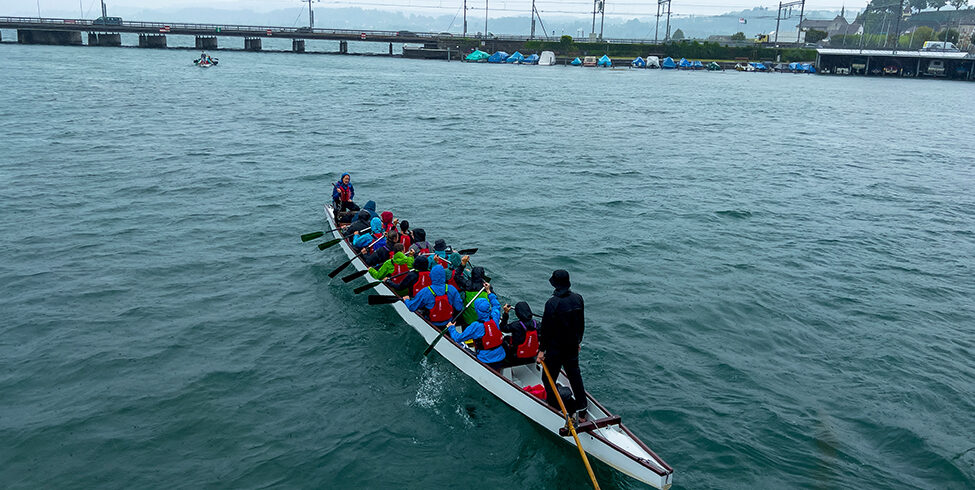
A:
(421, 282)
(451, 280)
(441, 311)
(405, 240)
(492, 335)
(344, 193)
(400, 268)
(528, 348)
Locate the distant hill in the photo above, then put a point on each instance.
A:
(759, 20)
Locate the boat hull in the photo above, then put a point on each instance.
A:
(614, 445)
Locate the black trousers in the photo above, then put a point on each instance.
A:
(555, 363)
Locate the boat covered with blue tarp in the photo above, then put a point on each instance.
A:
(576, 62)
(604, 61)
(668, 64)
(498, 57)
(530, 60)
(515, 58)
(639, 62)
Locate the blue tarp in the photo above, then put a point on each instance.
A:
(638, 63)
(668, 64)
(515, 58)
(576, 62)
(697, 64)
(758, 66)
(807, 67)
(604, 61)
(498, 57)
(795, 66)
(530, 60)
(684, 63)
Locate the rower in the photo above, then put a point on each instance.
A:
(439, 299)
(484, 331)
(361, 223)
(388, 222)
(413, 281)
(420, 244)
(405, 235)
(370, 207)
(383, 253)
(470, 288)
(363, 239)
(521, 346)
(342, 194)
(398, 263)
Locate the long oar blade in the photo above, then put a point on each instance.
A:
(311, 236)
(444, 330)
(366, 287)
(354, 276)
(324, 245)
(341, 268)
(467, 251)
(378, 299)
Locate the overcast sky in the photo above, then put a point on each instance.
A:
(500, 8)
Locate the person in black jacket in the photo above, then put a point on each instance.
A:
(382, 254)
(360, 224)
(404, 285)
(560, 339)
(519, 329)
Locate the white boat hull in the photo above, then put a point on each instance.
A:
(614, 444)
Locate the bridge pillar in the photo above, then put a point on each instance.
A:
(344, 47)
(104, 39)
(390, 49)
(206, 42)
(62, 38)
(252, 44)
(298, 45)
(152, 41)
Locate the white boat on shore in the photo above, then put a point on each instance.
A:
(603, 437)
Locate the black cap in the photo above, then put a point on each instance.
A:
(560, 279)
(440, 245)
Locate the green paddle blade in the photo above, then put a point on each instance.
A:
(312, 236)
(324, 245)
(354, 276)
(366, 287)
(378, 299)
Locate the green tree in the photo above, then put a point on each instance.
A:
(814, 36)
(958, 3)
(951, 37)
(738, 36)
(922, 34)
(678, 35)
(918, 5)
(937, 4)
(566, 40)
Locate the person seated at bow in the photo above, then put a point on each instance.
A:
(439, 299)
(521, 346)
(413, 281)
(342, 194)
(484, 331)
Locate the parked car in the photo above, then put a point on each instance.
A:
(936, 68)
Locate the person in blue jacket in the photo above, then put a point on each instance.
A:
(342, 194)
(487, 309)
(362, 240)
(426, 297)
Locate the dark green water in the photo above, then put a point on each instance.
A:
(777, 270)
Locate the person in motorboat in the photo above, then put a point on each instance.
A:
(484, 331)
(342, 194)
(420, 244)
(360, 224)
(399, 263)
(413, 281)
(521, 346)
(560, 339)
(439, 300)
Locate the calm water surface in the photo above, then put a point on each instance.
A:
(777, 270)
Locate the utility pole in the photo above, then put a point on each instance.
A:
(311, 16)
(104, 10)
(897, 26)
(802, 10)
(778, 17)
(485, 17)
(465, 18)
(533, 20)
(656, 30)
(594, 4)
(602, 18)
(668, 22)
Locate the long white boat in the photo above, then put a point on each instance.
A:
(603, 437)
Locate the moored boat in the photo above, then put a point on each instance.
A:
(603, 436)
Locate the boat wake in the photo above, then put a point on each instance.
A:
(430, 392)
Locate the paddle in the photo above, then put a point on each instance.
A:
(349, 262)
(379, 299)
(466, 251)
(328, 244)
(316, 234)
(568, 422)
(354, 276)
(442, 332)
(376, 283)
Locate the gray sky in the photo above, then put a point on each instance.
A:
(500, 8)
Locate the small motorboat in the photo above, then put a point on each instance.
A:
(206, 61)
